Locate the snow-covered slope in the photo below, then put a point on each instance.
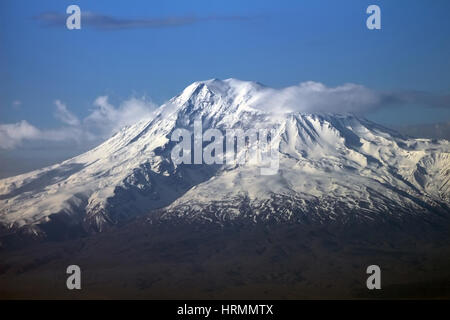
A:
(336, 167)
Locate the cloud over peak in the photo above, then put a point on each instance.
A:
(313, 96)
(316, 97)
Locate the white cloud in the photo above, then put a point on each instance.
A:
(65, 115)
(14, 133)
(316, 97)
(313, 97)
(106, 119)
(101, 123)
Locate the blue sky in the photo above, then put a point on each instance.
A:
(278, 43)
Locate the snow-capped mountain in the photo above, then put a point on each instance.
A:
(331, 167)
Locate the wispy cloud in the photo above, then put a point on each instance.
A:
(105, 119)
(106, 22)
(13, 134)
(65, 115)
(102, 122)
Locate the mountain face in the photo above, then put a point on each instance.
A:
(338, 168)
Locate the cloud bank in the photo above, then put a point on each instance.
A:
(101, 123)
(313, 97)
(316, 97)
(106, 22)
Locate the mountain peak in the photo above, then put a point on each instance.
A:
(214, 96)
(329, 165)
(222, 87)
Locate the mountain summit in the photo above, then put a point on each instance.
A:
(331, 168)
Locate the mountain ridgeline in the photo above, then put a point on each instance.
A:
(338, 169)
